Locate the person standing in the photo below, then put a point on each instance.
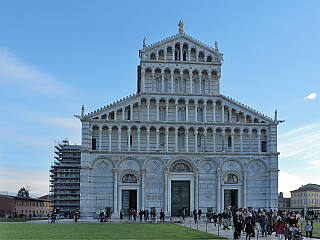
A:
(199, 213)
(263, 220)
(249, 226)
(141, 215)
(162, 215)
(121, 214)
(195, 215)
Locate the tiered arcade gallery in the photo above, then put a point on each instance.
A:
(178, 142)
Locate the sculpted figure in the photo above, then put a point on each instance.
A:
(180, 26)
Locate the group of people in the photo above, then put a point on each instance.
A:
(55, 215)
(143, 214)
(283, 223)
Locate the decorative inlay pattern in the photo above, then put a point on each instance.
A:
(103, 165)
(206, 167)
(231, 165)
(256, 167)
(154, 165)
(130, 163)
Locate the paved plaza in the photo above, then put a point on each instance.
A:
(188, 222)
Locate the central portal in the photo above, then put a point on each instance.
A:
(230, 198)
(180, 196)
(129, 200)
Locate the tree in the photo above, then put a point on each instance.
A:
(23, 192)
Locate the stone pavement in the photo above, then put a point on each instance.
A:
(188, 222)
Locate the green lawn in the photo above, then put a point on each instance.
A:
(20, 219)
(99, 231)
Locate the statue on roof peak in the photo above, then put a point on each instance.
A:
(180, 26)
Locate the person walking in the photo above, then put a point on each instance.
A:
(279, 228)
(199, 213)
(249, 226)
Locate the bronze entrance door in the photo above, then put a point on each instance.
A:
(230, 198)
(180, 196)
(129, 200)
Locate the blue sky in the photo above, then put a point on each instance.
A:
(56, 56)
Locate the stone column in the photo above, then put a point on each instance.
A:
(172, 82)
(181, 52)
(196, 189)
(191, 83)
(230, 115)
(250, 134)
(152, 81)
(176, 104)
(205, 112)
(187, 141)
(143, 180)
(123, 110)
(157, 106)
(218, 190)
(209, 82)
(148, 135)
(165, 193)
(100, 139)
(129, 134)
(214, 112)
(115, 192)
(167, 140)
(218, 78)
(223, 134)
(222, 112)
(115, 115)
(245, 118)
(187, 111)
(110, 140)
(196, 141)
(90, 139)
(167, 111)
(119, 139)
(131, 112)
(214, 139)
(138, 132)
(148, 106)
(197, 55)
(173, 54)
(196, 111)
(176, 138)
(205, 140)
(245, 174)
(157, 139)
(232, 140)
(139, 104)
(241, 145)
(189, 51)
(162, 81)
(200, 83)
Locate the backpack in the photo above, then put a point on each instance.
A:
(248, 221)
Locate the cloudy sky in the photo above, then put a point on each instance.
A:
(56, 56)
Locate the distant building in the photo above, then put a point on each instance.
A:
(24, 207)
(284, 203)
(65, 176)
(307, 196)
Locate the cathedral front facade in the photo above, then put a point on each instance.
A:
(178, 142)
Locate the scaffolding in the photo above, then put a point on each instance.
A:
(65, 176)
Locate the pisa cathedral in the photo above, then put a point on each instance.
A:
(178, 142)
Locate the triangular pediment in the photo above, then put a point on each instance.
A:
(181, 38)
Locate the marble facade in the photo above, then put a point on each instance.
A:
(178, 129)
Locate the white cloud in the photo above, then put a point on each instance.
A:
(312, 96)
(12, 179)
(17, 74)
(288, 182)
(301, 143)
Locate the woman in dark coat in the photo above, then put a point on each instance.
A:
(237, 221)
(249, 226)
